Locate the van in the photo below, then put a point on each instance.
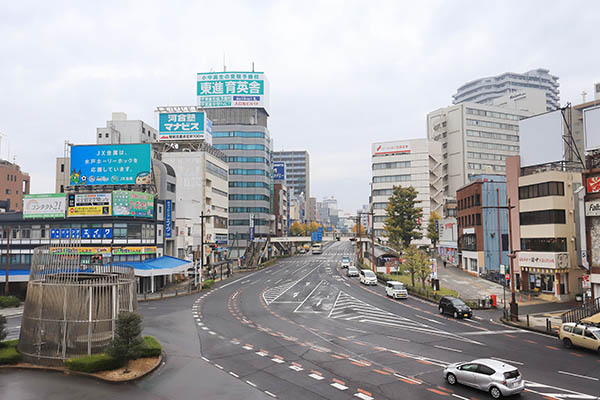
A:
(316, 248)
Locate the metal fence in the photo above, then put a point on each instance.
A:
(71, 307)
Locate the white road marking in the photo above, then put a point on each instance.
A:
(448, 348)
(212, 333)
(460, 397)
(233, 374)
(429, 319)
(508, 361)
(247, 348)
(339, 386)
(579, 376)
(315, 376)
(362, 396)
(251, 384)
(398, 338)
(219, 366)
(408, 378)
(356, 330)
(270, 394)
(205, 359)
(204, 328)
(307, 297)
(261, 353)
(494, 332)
(296, 368)
(277, 360)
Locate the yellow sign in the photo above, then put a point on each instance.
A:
(89, 211)
(104, 250)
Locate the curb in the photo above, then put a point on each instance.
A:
(528, 328)
(66, 371)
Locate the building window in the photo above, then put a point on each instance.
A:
(505, 242)
(7, 191)
(544, 244)
(391, 165)
(542, 217)
(391, 178)
(541, 190)
(62, 167)
(62, 188)
(478, 219)
(106, 135)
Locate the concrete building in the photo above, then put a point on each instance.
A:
(416, 163)
(120, 130)
(545, 232)
(448, 243)
(281, 209)
(482, 228)
(14, 183)
(311, 210)
(202, 187)
(297, 163)
(592, 223)
(474, 138)
(485, 90)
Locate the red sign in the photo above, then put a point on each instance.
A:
(593, 184)
(507, 277)
(585, 278)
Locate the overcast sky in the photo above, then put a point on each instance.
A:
(343, 74)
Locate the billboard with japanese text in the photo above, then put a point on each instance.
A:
(279, 171)
(113, 164)
(133, 204)
(89, 205)
(184, 126)
(233, 89)
(44, 205)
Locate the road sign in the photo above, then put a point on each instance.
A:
(585, 281)
(507, 276)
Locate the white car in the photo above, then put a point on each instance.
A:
(367, 277)
(396, 290)
(345, 262)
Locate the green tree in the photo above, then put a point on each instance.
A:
(312, 227)
(3, 332)
(359, 229)
(402, 222)
(416, 262)
(128, 341)
(297, 229)
(433, 232)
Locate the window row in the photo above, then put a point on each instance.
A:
(379, 206)
(493, 146)
(542, 217)
(544, 244)
(119, 230)
(383, 192)
(500, 168)
(541, 190)
(391, 178)
(470, 220)
(493, 114)
(239, 134)
(249, 185)
(485, 156)
(496, 125)
(237, 146)
(219, 192)
(246, 222)
(249, 210)
(391, 165)
(491, 135)
(260, 160)
(470, 201)
(240, 171)
(215, 169)
(16, 259)
(248, 197)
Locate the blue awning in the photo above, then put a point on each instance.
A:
(164, 265)
(15, 275)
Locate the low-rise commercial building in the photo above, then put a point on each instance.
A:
(14, 183)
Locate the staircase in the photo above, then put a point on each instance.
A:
(253, 253)
(588, 308)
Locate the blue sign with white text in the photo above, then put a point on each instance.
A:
(65, 233)
(168, 207)
(86, 233)
(54, 233)
(75, 233)
(97, 233)
(278, 171)
(183, 125)
(107, 233)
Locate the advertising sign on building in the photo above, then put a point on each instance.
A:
(233, 89)
(544, 260)
(104, 250)
(251, 227)
(593, 184)
(168, 208)
(184, 126)
(119, 164)
(44, 206)
(378, 149)
(279, 171)
(89, 205)
(592, 208)
(133, 204)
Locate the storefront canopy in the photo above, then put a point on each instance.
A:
(15, 275)
(164, 265)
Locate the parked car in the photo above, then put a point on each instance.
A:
(352, 271)
(572, 334)
(396, 290)
(367, 277)
(345, 262)
(455, 307)
(495, 377)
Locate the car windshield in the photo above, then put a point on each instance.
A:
(345, 259)
(512, 374)
(369, 274)
(597, 334)
(458, 303)
(351, 269)
(398, 285)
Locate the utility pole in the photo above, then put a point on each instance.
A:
(202, 217)
(7, 232)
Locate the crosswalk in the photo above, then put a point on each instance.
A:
(349, 308)
(272, 294)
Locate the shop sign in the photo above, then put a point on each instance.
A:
(592, 208)
(544, 260)
(44, 205)
(388, 148)
(593, 184)
(168, 208)
(103, 250)
(89, 205)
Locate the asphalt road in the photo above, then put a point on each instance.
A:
(302, 330)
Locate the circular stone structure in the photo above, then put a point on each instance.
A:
(72, 306)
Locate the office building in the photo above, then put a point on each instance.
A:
(591, 236)
(281, 209)
(483, 226)
(120, 130)
(485, 90)
(474, 138)
(14, 183)
(237, 105)
(416, 163)
(311, 210)
(297, 170)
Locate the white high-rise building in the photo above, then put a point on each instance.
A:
(485, 90)
(414, 162)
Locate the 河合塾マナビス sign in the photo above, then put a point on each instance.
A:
(233, 89)
(89, 205)
(173, 125)
(44, 205)
(113, 164)
(133, 204)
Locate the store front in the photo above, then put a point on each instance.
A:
(545, 273)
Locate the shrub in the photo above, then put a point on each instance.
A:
(9, 301)
(127, 342)
(207, 284)
(10, 343)
(9, 355)
(3, 332)
(150, 347)
(93, 363)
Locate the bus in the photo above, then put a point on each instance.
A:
(316, 248)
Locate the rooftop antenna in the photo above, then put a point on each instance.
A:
(224, 67)
(583, 94)
(252, 66)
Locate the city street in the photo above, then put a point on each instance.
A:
(302, 330)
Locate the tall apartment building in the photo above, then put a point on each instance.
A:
(475, 138)
(297, 169)
(485, 90)
(14, 183)
(416, 163)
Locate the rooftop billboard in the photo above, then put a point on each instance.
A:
(388, 148)
(233, 89)
(44, 205)
(132, 204)
(174, 125)
(114, 164)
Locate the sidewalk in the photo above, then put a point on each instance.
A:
(11, 311)
(468, 286)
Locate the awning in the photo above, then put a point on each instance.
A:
(160, 266)
(15, 275)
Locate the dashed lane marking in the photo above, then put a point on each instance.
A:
(233, 374)
(578, 376)
(508, 361)
(448, 348)
(251, 384)
(270, 394)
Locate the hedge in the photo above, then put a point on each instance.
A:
(93, 363)
(207, 284)
(150, 347)
(9, 355)
(10, 343)
(9, 301)
(418, 290)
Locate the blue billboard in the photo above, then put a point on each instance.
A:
(114, 164)
(184, 126)
(168, 207)
(279, 171)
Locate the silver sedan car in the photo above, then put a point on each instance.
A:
(496, 377)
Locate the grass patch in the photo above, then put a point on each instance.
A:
(150, 347)
(208, 283)
(10, 343)
(93, 363)
(426, 291)
(9, 355)
(9, 301)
